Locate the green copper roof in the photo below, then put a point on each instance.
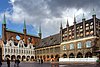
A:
(4, 20)
(40, 29)
(24, 24)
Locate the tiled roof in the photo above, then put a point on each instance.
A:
(49, 41)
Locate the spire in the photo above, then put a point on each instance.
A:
(61, 25)
(40, 34)
(74, 19)
(83, 16)
(4, 20)
(67, 23)
(40, 29)
(94, 12)
(24, 24)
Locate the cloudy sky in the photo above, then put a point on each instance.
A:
(47, 13)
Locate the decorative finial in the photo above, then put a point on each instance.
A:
(94, 12)
(24, 24)
(74, 18)
(61, 25)
(83, 16)
(67, 22)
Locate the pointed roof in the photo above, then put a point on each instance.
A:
(83, 16)
(40, 28)
(67, 23)
(4, 20)
(94, 12)
(74, 19)
(61, 25)
(24, 24)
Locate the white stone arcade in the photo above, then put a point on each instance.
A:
(18, 50)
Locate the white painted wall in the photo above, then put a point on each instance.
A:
(77, 59)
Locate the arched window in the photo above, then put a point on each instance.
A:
(79, 45)
(71, 46)
(88, 44)
(64, 47)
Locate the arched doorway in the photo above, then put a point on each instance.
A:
(47, 57)
(32, 58)
(71, 55)
(44, 58)
(88, 54)
(57, 57)
(13, 57)
(52, 58)
(64, 56)
(41, 57)
(79, 55)
(7, 56)
(28, 58)
(18, 57)
(23, 58)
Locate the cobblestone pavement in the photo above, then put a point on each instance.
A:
(34, 64)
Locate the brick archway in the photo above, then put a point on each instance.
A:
(64, 55)
(79, 55)
(71, 55)
(88, 54)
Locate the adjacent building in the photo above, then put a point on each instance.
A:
(81, 40)
(17, 44)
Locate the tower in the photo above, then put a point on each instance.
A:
(83, 20)
(94, 21)
(74, 27)
(61, 32)
(67, 26)
(40, 34)
(4, 29)
(25, 32)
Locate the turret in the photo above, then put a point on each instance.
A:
(67, 26)
(74, 27)
(83, 20)
(4, 29)
(61, 28)
(94, 21)
(25, 32)
(40, 34)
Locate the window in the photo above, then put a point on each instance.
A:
(64, 47)
(71, 46)
(88, 44)
(79, 45)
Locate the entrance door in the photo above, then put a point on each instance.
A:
(0, 53)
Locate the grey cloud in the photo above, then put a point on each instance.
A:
(40, 10)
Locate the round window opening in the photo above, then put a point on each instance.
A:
(18, 37)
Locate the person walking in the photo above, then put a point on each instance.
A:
(8, 62)
(17, 63)
(0, 63)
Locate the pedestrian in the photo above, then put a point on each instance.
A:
(41, 61)
(15, 63)
(0, 63)
(8, 62)
(18, 61)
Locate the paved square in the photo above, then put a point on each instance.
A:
(34, 64)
